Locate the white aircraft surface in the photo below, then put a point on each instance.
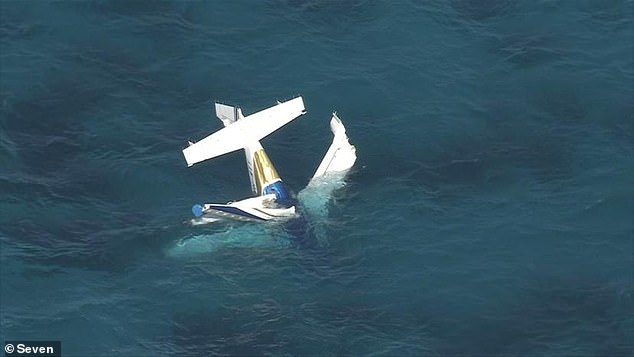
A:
(272, 200)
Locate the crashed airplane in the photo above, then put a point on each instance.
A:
(272, 200)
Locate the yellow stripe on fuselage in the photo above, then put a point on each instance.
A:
(263, 170)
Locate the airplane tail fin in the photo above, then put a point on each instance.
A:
(228, 114)
(240, 132)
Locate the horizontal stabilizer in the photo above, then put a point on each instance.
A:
(239, 132)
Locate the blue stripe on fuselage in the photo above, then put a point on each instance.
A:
(282, 194)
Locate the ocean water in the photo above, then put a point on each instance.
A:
(490, 211)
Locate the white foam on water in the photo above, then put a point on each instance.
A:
(234, 235)
(315, 200)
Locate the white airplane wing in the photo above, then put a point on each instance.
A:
(340, 155)
(240, 132)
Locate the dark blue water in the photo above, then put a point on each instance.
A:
(490, 211)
